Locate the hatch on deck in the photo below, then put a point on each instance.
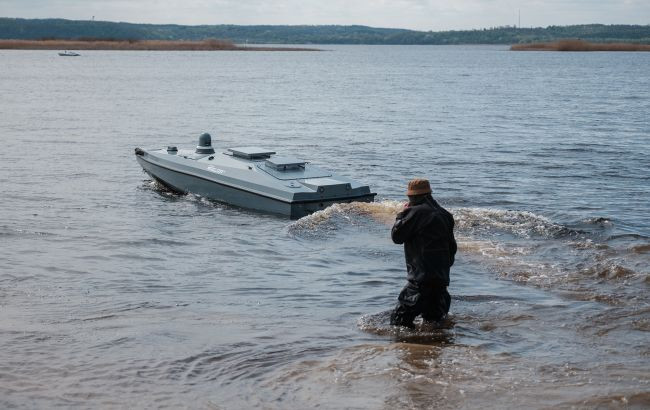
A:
(285, 163)
(297, 172)
(250, 152)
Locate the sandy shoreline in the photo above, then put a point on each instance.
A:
(144, 45)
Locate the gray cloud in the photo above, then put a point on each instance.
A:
(414, 14)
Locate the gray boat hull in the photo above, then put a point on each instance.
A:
(184, 179)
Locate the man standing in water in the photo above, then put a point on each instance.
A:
(427, 231)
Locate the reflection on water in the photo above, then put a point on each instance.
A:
(117, 293)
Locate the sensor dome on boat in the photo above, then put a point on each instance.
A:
(205, 144)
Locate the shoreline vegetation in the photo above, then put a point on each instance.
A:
(579, 45)
(41, 29)
(140, 45)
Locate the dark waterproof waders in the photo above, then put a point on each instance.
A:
(430, 302)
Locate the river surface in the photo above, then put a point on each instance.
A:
(115, 293)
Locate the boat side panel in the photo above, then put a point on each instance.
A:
(229, 172)
(185, 183)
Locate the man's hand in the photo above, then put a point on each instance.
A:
(400, 214)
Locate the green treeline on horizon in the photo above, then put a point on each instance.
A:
(36, 29)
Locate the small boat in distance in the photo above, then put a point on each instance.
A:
(251, 177)
(69, 54)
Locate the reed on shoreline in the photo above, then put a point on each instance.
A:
(144, 45)
(579, 45)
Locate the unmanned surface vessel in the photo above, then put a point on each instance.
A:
(251, 177)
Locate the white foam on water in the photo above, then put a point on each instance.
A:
(469, 220)
(521, 223)
(383, 212)
(524, 224)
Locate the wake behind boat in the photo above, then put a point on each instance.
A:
(251, 177)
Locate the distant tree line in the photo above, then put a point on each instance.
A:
(34, 29)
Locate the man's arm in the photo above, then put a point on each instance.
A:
(405, 225)
(453, 247)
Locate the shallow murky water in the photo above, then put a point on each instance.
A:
(116, 293)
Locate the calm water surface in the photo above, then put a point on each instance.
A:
(117, 294)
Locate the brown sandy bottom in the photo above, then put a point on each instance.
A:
(418, 376)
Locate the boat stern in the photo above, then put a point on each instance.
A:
(301, 209)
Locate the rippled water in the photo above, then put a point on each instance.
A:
(115, 293)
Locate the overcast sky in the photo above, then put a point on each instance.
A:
(414, 14)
